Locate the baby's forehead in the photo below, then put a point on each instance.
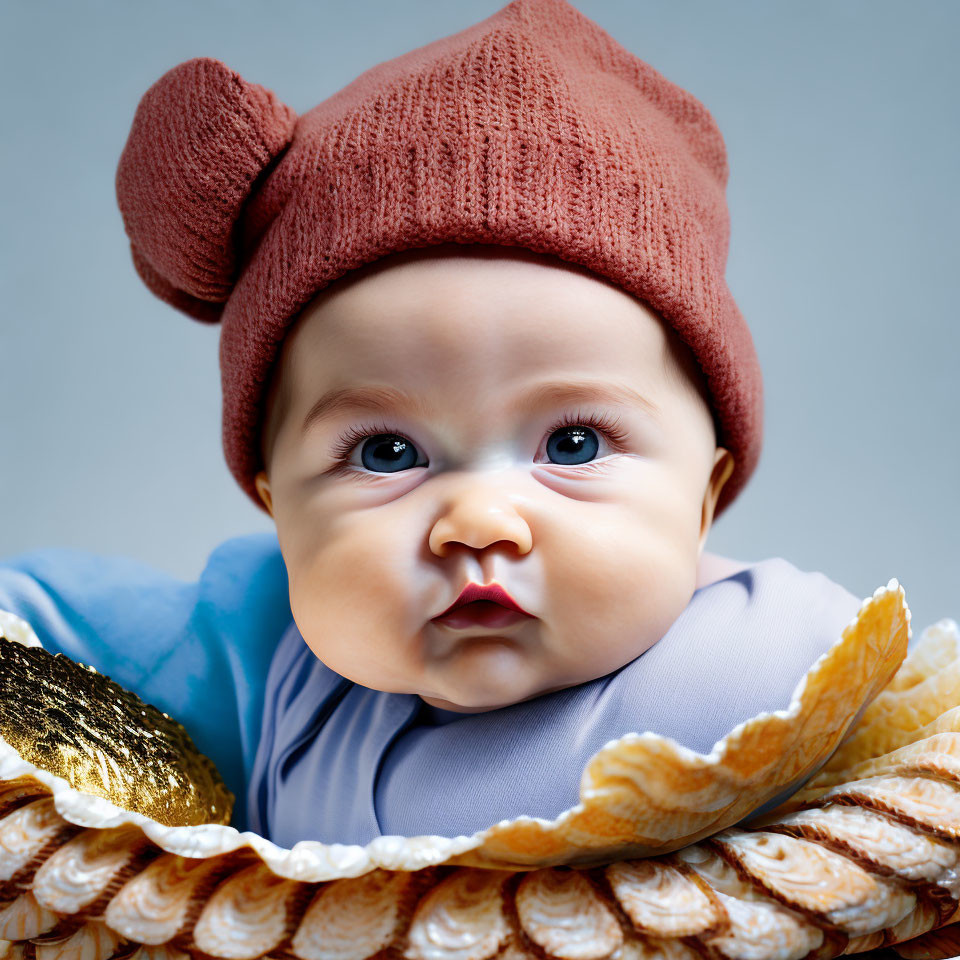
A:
(430, 319)
(469, 296)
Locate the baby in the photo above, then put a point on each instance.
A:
(481, 366)
(446, 417)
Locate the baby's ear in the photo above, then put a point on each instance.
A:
(723, 464)
(262, 484)
(201, 139)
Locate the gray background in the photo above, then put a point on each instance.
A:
(843, 131)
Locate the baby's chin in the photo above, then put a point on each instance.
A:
(479, 674)
(489, 673)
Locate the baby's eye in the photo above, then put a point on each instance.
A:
(388, 453)
(573, 440)
(572, 444)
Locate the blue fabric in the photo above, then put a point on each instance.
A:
(198, 651)
(342, 763)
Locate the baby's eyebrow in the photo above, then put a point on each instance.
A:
(386, 400)
(372, 399)
(587, 391)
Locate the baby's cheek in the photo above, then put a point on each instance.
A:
(347, 598)
(616, 588)
(351, 632)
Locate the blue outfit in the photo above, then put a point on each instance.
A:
(311, 755)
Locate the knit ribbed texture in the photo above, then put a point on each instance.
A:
(532, 128)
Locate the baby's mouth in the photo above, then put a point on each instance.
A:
(480, 613)
(482, 605)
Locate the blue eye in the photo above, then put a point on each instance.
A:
(388, 453)
(572, 444)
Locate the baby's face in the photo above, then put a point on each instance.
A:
(537, 427)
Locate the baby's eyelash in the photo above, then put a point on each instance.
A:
(609, 426)
(350, 438)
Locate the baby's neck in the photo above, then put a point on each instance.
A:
(712, 567)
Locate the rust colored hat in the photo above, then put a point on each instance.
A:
(532, 128)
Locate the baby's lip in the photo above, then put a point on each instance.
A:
(480, 613)
(491, 592)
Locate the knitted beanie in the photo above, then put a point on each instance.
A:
(532, 128)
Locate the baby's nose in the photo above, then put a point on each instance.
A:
(478, 514)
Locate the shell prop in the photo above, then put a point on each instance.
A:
(863, 856)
